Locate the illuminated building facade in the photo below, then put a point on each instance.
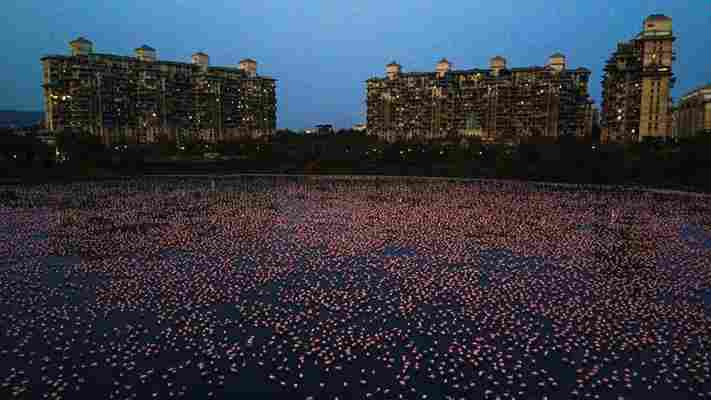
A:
(637, 84)
(693, 113)
(497, 104)
(141, 99)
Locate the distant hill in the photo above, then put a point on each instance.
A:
(20, 119)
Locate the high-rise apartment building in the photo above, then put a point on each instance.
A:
(636, 88)
(693, 113)
(495, 104)
(142, 99)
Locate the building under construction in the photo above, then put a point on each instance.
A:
(636, 100)
(141, 100)
(496, 104)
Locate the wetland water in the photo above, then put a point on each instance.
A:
(292, 288)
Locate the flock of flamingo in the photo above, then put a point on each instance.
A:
(345, 288)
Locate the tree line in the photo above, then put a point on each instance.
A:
(673, 163)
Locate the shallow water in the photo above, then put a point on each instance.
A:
(696, 236)
(285, 290)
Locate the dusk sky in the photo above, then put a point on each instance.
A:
(322, 51)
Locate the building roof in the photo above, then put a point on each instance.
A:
(557, 55)
(226, 69)
(698, 89)
(117, 57)
(80, 39)
(534, 68)
(471, 71)
(498, 58)
(146, 47)
(416, 73)
(443, 61)
(658, 17)
(393, 64)
(200, 53)
(249, 60)
(155, 64)
(580, 70)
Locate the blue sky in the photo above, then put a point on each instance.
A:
(322, 51)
